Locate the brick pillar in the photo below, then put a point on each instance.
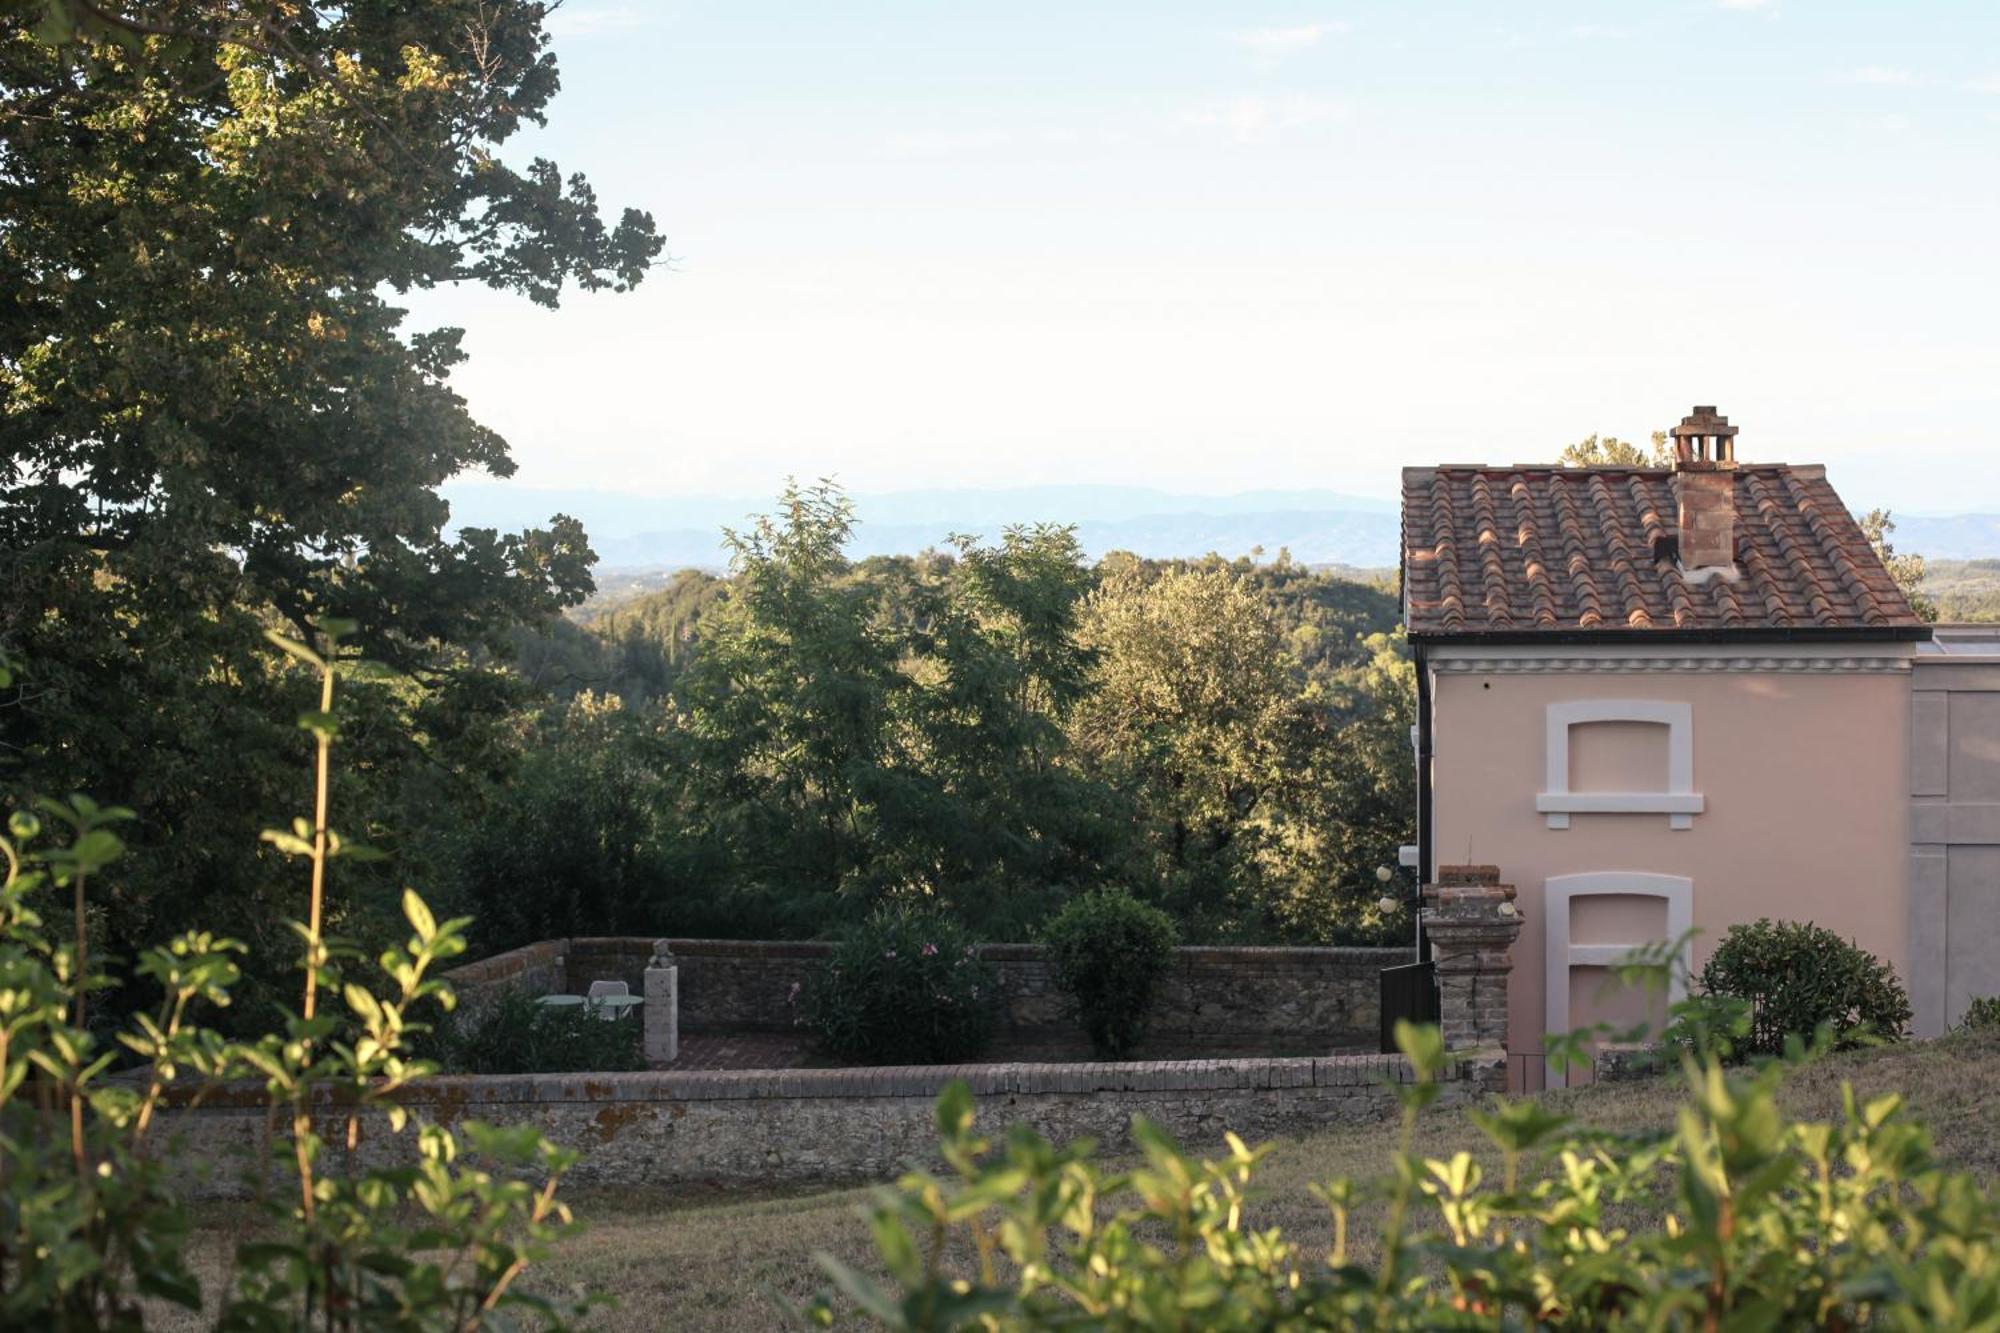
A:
(1472, 922)
(662, 1009)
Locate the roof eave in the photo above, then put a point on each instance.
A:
(1619, 634)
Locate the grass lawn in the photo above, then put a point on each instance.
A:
(728, 1263)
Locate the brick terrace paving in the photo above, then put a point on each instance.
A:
(785, 1050)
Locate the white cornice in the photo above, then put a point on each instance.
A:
(1507, 666)
(1618, 659)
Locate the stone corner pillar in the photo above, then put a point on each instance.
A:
(662, 1009)
(1472, 923)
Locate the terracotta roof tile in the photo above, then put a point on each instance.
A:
(1527, 550)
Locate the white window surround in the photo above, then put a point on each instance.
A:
(1678, 800)
(1560, 955)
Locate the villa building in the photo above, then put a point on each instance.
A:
(1672, 698)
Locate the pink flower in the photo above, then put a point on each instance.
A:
(888, 953)
(930, 951)
(793, 998)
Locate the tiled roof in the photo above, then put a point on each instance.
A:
(1550, 550)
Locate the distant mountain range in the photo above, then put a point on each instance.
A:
(632, 532)
(637, 532)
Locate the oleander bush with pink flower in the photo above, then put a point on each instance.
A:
(905, 987)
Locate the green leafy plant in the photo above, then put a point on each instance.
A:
(1109, 951)
(1738, 1217)
(1982, 1015)
(905, 987)
(92, 1224)
(1797, 978)
(516, 1035)
(88, 1222)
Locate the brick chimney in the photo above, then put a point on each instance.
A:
(1705, 486)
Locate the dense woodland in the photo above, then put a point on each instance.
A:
(996, 725)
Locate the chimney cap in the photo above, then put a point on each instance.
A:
(1704, 439)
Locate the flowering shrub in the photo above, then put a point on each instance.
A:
(906, 987)
(1109, 951)
(1736, 1218)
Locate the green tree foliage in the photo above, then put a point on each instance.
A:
(1736, 1217)
(959, 726)
(1907, 568)
(1353, 798)
(1610, 451)
(861, 733)
(1191, 714)
(635, 649)
(214, 418)
(791, 698)
(572, 841)
(1267, 793)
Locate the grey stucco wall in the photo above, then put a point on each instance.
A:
(1954, 827)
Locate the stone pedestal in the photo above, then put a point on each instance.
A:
(663, 1006)
(1472, 923)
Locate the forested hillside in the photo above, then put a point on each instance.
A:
(1964, 589)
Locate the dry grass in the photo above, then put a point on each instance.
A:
(734, 1264)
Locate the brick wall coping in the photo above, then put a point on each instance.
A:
(455, 1095)
(500, 966)
(624, 945)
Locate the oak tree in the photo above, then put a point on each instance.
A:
(213, 416)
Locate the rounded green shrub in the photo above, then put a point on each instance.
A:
(1109, 951)
(1797, 976)
(905, 987)
(1982, 1015)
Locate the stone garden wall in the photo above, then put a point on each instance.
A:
(745, 985)
(787, 1128)
(810, 1127)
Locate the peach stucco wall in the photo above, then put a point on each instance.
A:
(1805, 777)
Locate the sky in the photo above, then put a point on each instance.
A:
(1215, 248)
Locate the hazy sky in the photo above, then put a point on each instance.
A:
(1221, 247)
